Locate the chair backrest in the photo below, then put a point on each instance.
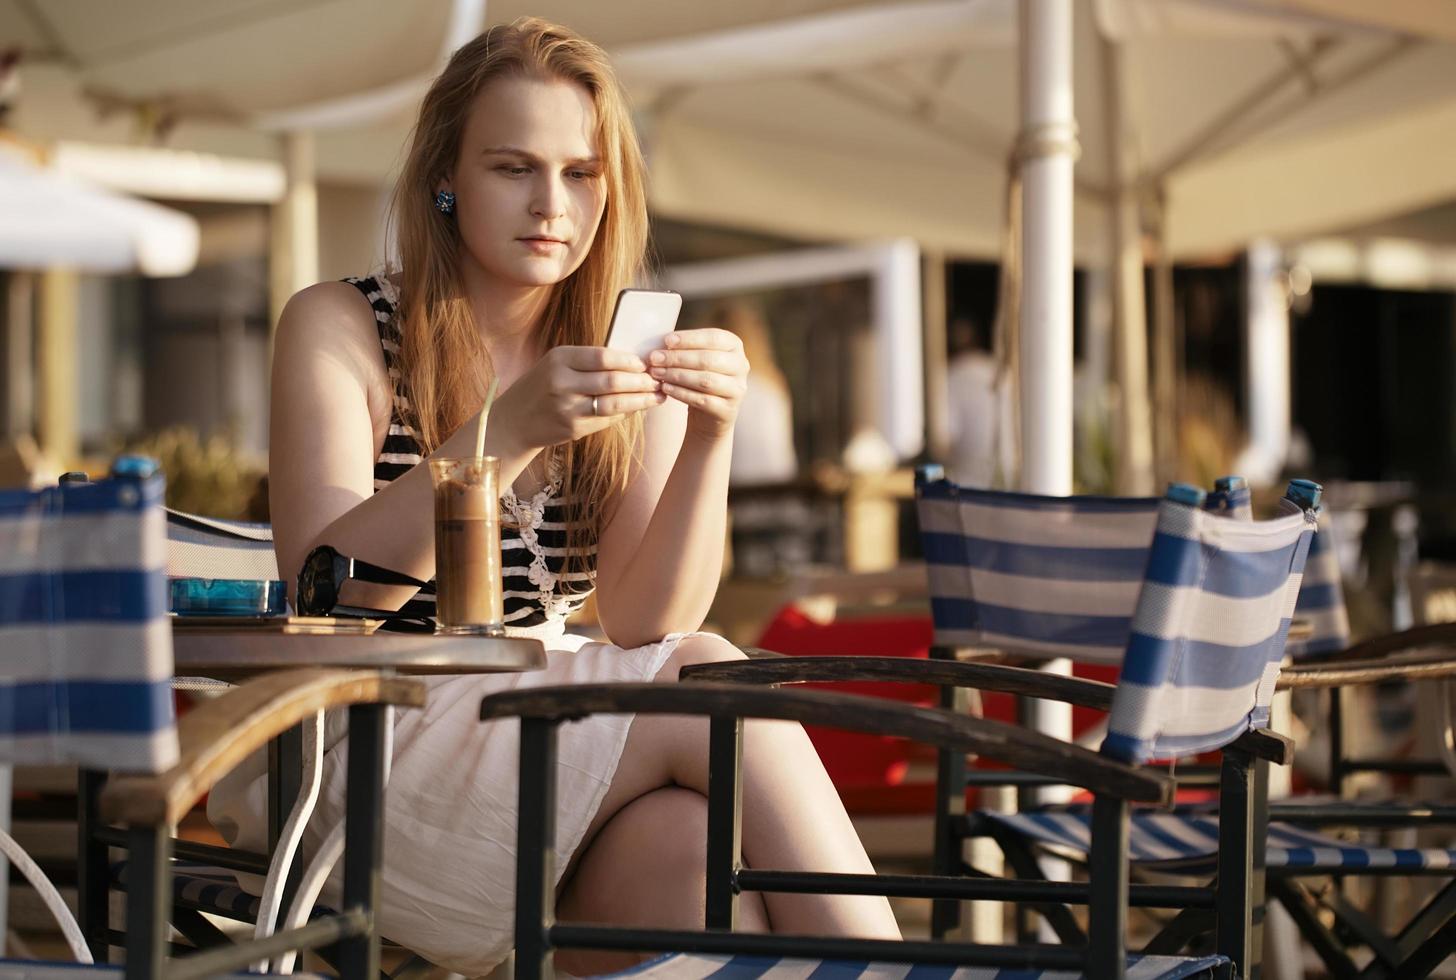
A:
(208, 547)
(1210, 626)
(85, 645)
(1322, 598)
(1032, 575)
(1231, 497)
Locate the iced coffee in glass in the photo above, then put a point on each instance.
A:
(467, 545)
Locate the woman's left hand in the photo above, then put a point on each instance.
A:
(704, 369)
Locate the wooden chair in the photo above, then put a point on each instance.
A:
(85, 657)
(1196, 560)
(1012, 570)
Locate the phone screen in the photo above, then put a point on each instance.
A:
(643, 317)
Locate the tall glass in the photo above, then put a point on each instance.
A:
(467, 545)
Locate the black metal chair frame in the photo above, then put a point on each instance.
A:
(140, 813)
(1117, 786)
(1422, 944)
(1228, 912)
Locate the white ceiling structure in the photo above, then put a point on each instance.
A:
(821, 119)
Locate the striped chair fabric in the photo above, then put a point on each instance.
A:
(1209, 631)
(699, 966)
(1322, 599)
(1031, 575)
(210, 889)
(30, 970)
(1231, 497)
(85, 646)
(1187, 843)
(207, 547)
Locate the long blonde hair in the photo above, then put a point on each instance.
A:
(441, 348)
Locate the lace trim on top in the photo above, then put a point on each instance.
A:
(527, 517)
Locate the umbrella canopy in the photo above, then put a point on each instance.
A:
(825, 119)
(1249, 118)
(50, 219)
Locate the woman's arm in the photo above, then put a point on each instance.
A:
(330, 410)
(660, 558)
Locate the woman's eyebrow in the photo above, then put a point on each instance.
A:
(516, 151)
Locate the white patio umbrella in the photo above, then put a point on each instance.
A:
(50, 219)
(1208, 123)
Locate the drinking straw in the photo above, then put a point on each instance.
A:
(480, 425)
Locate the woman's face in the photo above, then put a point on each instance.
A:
(528, 184)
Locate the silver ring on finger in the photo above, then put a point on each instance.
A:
(594, 406)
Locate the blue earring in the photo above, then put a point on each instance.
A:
(445, 202)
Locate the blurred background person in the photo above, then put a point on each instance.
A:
(979, 416)
(763, 441)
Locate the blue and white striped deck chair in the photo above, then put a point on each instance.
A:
(1031, 575)
(86, 672)
(1322, 600)
(1210, 618)
(1200, 669)
(85, 647)
(1321, 605)
(209, 547)
(1209, 632)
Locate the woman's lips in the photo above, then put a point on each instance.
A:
(542, 246)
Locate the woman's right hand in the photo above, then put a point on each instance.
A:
(572, 392)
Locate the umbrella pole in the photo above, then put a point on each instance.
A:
(1133, 446)
(58, 365)
(1167, 353)
(1047, 148)
(1047, 151)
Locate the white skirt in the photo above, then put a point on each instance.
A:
(450, 806)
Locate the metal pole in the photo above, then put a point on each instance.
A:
(1048, 149)
(1266, 355)
(1167, 352)
(1134, 443)
(57, 364)
(937, 438)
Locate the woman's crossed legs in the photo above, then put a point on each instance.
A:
(641, 861)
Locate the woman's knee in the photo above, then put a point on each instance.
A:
(660, 835)
(699, 648)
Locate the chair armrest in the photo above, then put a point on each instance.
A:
(1415, 638)
(945, 673)
(1415, 664)
(217, 735)
(1261, 743)
(1023, 749)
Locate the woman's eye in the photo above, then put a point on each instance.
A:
(513, 170)
(581, 174)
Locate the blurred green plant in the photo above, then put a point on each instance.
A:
(1095, 457)
(209, 476)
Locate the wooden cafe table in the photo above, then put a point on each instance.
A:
(229, 648)
(235, 648)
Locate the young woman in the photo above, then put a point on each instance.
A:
(520, 212)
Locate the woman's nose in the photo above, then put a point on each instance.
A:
(550, 199)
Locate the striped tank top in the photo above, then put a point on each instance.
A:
(536, 586)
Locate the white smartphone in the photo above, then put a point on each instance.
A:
(642, 318)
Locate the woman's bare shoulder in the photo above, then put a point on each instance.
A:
(328, 314)
(334, 321)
